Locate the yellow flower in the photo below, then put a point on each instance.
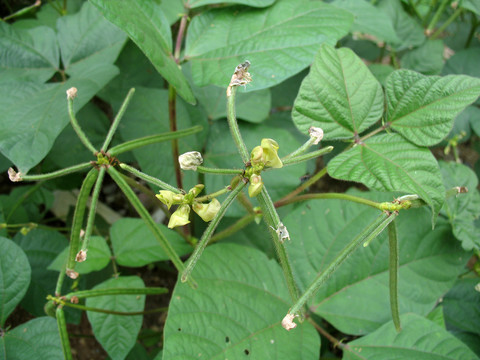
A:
(180, 217)
(207, 211)
(270, 155)
(256, 185)
(169, 198)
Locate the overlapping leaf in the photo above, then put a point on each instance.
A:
(356, 298)
(388, 162)
(28, 55)
(236, 311)
(14, 276)
(117, 333)
(426, 59)
(151, 32)
(419, 339)
(255, 3)
(340, 95)
(279, 41)
(422, 108)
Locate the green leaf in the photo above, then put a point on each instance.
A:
(340, 95)
(173, 10)
(388, 162)
(14, 275)
(255, 3)
(147, 114)
(134, 244)
(236, 311)
(36, 339)
(408, 30)
(461, 306)
(369, 20)
(86, 39)
(279, 41)
(462, 125)
(463, 62)
(463, 210)
(116, 333)
(355, 299)
(436, 316)
(98, 257)
(222, 153)
(33, 115)
(419, 339)
(28, 54)
(151, 32)
(41, 247)
(381, 72)
(426, 59)
(422, 108)
(471, 5)
(474, 115)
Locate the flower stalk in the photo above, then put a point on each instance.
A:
(71, 94)
(393, 274)
(150, 179)
(18, 176)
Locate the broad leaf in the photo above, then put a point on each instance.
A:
(117, 333)
(389, 162)
(86, 40)
(419, 339)
(369, 20)
(14, 277)
(255, 3)
(98, 257)
(340, 95)
(151, 32)
(461, 306)
(381, 72)
(36, 339)
(463, 62)
(474, 115)
(471, 5)
(33, 115)
(426, 59)
(355, 299)
(41, 247)
(422, 108)
(134, 244)
(236, 311)
(279, 41)
(463, 210)
(27, 55)
(409, 31)
(147, 115)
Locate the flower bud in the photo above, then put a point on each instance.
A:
(197, 189)
(190, 160)
(72, 93)
(270, 155)
(256, 156)
(179, 217)
(169, 198)
(207, 211)
(256, 185)
(316, 133)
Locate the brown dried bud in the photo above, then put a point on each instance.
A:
(74, 300)
(81, 256)
(72, 274)
(14, 176)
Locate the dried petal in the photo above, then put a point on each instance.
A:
(190, 160)
(288, 323)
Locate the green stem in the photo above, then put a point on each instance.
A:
(393, 272)
(78, 219)
(55, 174)
(302, 187)
(374, 132)
(61, 277)
(371, 231)
(93, 208)
(273, 222)
(153, 139)
(190, 264)
(446, 23)
(132, 198)
(172, 115)
(300, 150)
(62, 329)
(340, 196)
(81, 135)
(214, 194)
(22, 12)
(232, 123)
(430, 10)
(312, 155)
(232, 229)
(206, 170)
(149, 179)
(116, 291)
(21, 200)
(437, 16)
(473, 26)
(116, 121)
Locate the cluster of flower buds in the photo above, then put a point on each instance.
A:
(181, 216)
(263, 156)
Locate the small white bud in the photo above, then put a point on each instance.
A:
(190, 160)
(72, 93)
(316, 133)
(288, 323)
(14, 176)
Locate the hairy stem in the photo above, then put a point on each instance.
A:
(312, 155)
(232, 123)
(58, 173)
(340, 196)
(62, 329)
(393, 274)
(216, 171)
(149, 179)
(116, 291)
(81, 135)
(116, 121)
(172, 115)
